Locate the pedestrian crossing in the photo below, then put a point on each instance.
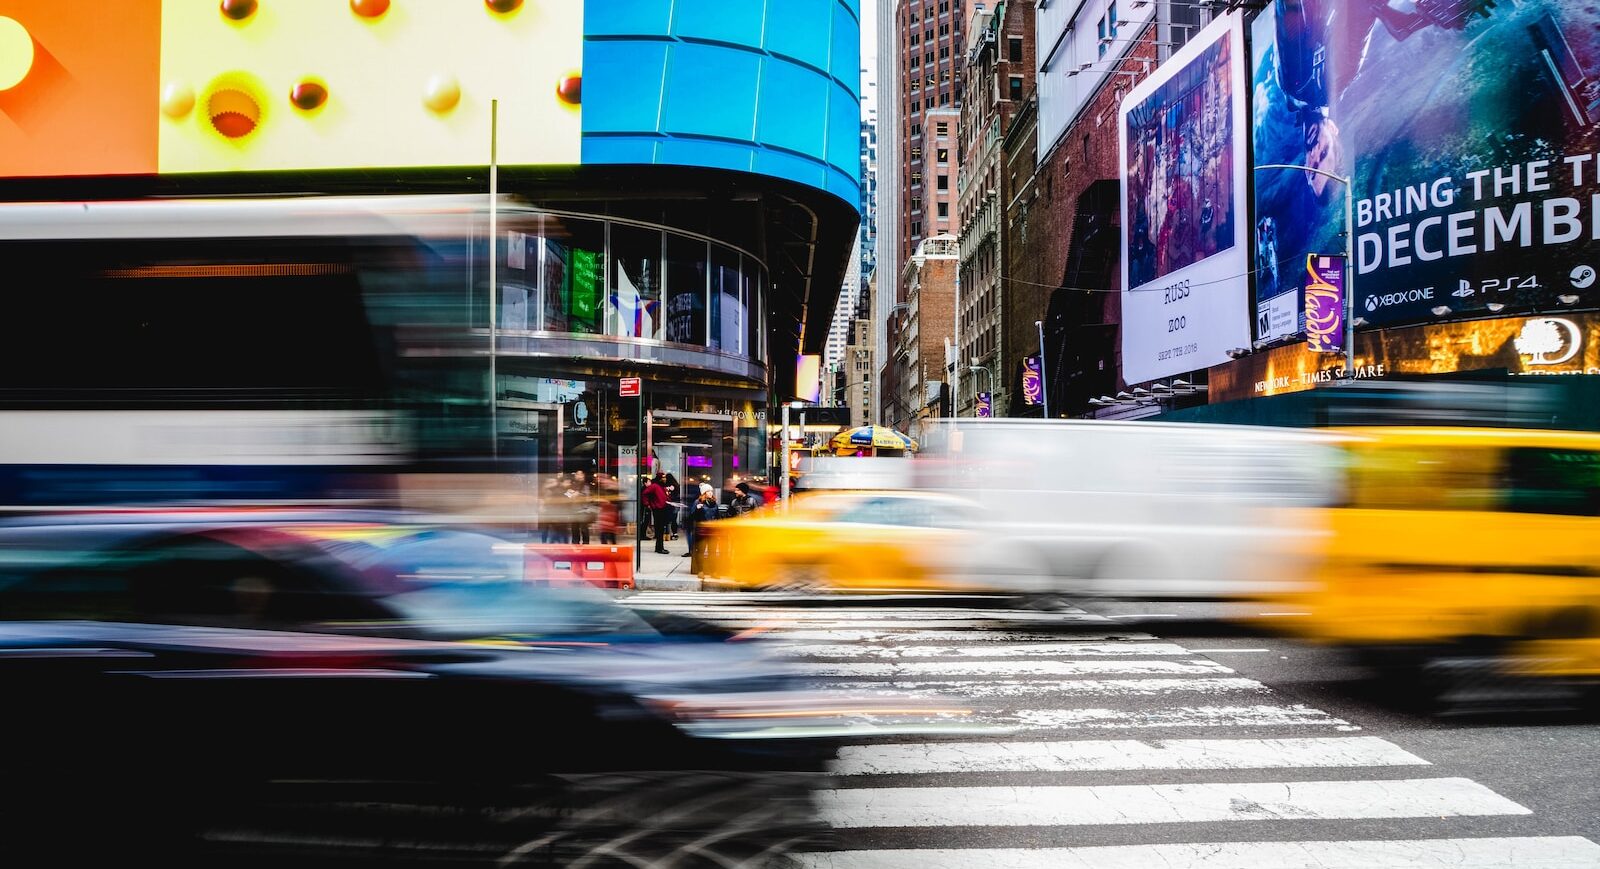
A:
(1088, 744)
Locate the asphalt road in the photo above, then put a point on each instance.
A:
(1157, 734)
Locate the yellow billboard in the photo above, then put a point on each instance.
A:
(307, 84)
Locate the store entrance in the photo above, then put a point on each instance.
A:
(695, 448)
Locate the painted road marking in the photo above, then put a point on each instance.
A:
(902, 670)
(988, 688)
(1122, 754)
(1259, 715)
(1543, 852)
(1160, 804)
(902, 638)
(988, 650)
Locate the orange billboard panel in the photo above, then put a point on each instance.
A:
(77, 84)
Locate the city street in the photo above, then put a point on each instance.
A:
(1134, 734)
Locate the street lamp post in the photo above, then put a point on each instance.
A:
(1044, 384)
(990, 374)
(1349, 259)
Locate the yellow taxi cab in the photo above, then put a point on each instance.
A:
(865, 541)
(1452, 541)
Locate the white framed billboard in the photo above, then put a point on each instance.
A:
(1184, 137)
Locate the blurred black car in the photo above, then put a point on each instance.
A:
(237, 690)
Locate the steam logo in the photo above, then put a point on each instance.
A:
(1582, 277)
(1549, 340)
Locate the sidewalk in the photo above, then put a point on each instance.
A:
(668, 572)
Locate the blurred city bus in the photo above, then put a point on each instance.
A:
(260, 351)
(1458, 543)
(1148, 510)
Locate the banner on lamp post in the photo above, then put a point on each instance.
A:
(1325, 303)
(985, 405)
(1032, 382)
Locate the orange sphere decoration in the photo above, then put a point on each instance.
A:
(570, 90)
(308, 95)
(369, 8)
(238, 10)
(503, 6)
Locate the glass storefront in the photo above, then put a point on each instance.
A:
(581, 276)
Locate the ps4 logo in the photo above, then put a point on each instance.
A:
(1465, 290)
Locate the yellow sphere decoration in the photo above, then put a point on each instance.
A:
(442, 93)
(177, 99)
(16, 52)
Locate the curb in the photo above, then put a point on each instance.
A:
(666, 584)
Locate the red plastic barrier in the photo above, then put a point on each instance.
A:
(557, 564)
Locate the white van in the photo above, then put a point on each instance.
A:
(1138, 509)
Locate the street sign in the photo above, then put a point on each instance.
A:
(631, 387)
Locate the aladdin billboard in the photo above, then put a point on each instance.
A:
(1183, 149)
(173, 87)
(1471, 130)
(1533, 346)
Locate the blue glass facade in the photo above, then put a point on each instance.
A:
(765, 86)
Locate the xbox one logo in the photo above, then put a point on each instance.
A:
(1372, 303)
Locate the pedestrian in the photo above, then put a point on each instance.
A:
(702, 512)
(579, 507)
(676, 497)
(655, 500)
(748, 500)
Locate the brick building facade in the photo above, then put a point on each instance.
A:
(999, 67)
(1062, 261)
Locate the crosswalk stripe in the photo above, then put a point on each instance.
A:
(987, 650)
(1259, 715)
(1160, 804)
(900, 670)
(991, 688)
(1122, 754)
(974, 627)
(839, 614)
(1533, 852)
(893, 638)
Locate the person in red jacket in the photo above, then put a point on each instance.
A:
(655, 500)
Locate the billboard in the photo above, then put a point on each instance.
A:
(1183, 153)
(808, 377)
(1470, 130)
(148, 87)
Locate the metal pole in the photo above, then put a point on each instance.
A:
(494, 262)
(640, 459)
(1044, 384)
(1349, 258)
(1349, 283)
(783, 459)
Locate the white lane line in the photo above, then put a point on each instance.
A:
(1122, 754)
(1219, 651)
(1534, 852)
(988, 688)
(1257, 715)
(903, 638)
(1147, 616)
(1160, 804)
(843, 614)
(1010, 668)
(988, 650)
(782, 627)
